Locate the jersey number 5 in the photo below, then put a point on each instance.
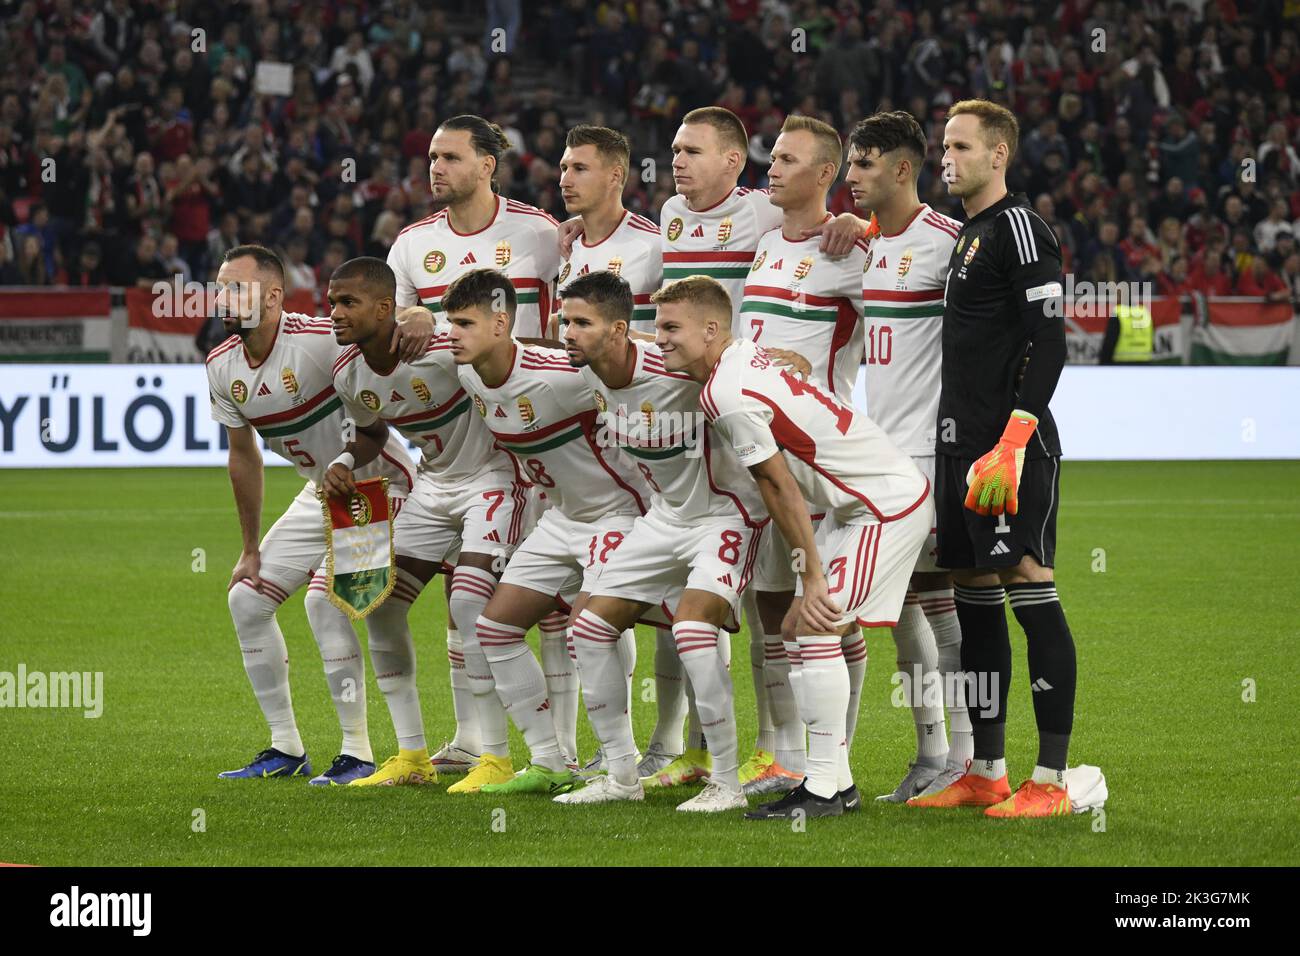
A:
(299, 454)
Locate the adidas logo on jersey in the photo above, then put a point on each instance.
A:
(778, 265)
(726, 579)
(881, 263)
(493, 536)
(396, 396)
(500, 413)
(1000, 548)
(263, 390)
(698, 233)
(1040, 684)
(469, 260)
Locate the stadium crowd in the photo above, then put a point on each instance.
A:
(1159, 139)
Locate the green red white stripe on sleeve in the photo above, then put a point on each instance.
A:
(888, 304)
(718, 265)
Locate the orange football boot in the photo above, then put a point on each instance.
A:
(970, 790)
(1033, 800)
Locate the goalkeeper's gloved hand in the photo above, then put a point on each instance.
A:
(994, 480)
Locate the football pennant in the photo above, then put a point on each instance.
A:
(359, 548)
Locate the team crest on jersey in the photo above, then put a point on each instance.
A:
(758, 263)
(905, 263)
(601, 404)
(434, 261)
(960, 242)
(675, 229)
(867, 265)
(803, 268)
(502, 258)
(648, 414)
(564, 273)
(239, 391)
(481, 406)
(369, 399)
(289, 381)
(615, 265)
(724, 231)
(970, 253)
(526, 411)
(421, 390)
(359, 508)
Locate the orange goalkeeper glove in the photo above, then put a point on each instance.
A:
(994, 480)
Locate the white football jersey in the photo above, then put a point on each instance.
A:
(521, 241)
(843, 462)
(632, 251)
(800, 299)
(425, 401)
(719, 241)
(902, 290)
(656, 420)
(289, 399)
(544, 415)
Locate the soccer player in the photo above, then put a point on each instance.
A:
(691, 554)
(473, 228)
(476, 228)
(997, 495)
(272, 379)
(540, 410)
(800, 443)
(593, 172)
(466, 497)
(903, 291)
(800, 299)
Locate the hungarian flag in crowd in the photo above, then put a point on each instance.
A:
(359, 548)
(1236, 331)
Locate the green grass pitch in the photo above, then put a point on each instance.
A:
(1197, 596)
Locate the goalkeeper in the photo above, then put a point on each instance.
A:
(997, 468)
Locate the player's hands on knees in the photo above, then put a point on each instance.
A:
(338, 482)
(413, 332)
(838, 234)
(249, 566)
(793, 360)
(819, 613)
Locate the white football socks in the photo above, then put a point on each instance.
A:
(462, 698)
(941, 613)
(918, 661)
(698, 647)
(392, 654)
(266, 660)
(670, 693)
(604, 692)
(560, 666)
(791, 734)
(521, 685)
(471, 589)
(627, 654)
(993, 769)
(345, 668)
(824, 696)
(766, 739)
(1049, 775)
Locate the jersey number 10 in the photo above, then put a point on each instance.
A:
(880, 348)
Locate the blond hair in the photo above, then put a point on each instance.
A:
(830, 148)
(997, 123)
(703, 291)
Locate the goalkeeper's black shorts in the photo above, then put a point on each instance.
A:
(969, 540)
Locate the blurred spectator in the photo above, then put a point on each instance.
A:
(1260, 280)
(1210, 276)
(89, 268)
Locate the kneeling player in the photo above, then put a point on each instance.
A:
(466, 497)
(801, 443)
(691, 554)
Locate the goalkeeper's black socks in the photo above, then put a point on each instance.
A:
(1052, 670)
(986, 661)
